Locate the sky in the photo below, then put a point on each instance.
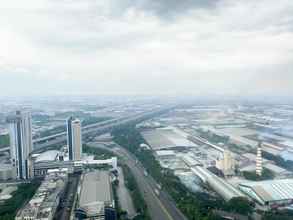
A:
(141, 47)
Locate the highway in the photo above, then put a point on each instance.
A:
(161, 207)
(97, 129)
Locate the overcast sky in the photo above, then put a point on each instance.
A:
(232, 47)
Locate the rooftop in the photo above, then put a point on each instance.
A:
(270, 190)
(95, 191)
(47, 156)
(164, 138)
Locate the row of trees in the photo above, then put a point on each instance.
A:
(193, 205)
(136, 196)
(266, 175)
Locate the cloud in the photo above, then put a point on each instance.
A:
(146, 46)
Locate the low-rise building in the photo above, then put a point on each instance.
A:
(270, 193)
(95, 196)
(44, 203)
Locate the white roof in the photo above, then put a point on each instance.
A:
(272, 190)
(48, 156)
(95, 188)
(166, 138)
(165, 152)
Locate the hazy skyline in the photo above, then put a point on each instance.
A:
(241, 47)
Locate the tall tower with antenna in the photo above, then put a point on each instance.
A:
(259, 160)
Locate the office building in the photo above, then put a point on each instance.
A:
(74, 139)
(21, 144)
(259, 160)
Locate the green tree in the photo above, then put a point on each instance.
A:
(240, 205)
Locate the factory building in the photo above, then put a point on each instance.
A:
(74, 139)
(95, 200)
(21, 144)
(226, 164)
(271, 193)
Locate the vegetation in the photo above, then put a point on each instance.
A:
(193, 205)
(213, 137)
(137, 198)
(280, 215)
(40, 119)
(266, 175)
(100, 154)
(94, 120)
(24, 193)
(4, 140)
(121, 214)
(239, 205)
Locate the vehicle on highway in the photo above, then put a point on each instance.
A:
(157, 192)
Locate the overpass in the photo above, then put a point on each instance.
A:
(94, 129)
(97, 129)
(41, 168)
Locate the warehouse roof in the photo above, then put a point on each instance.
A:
(165, 138)
(49, 155)
(270, 190)
(95, 189)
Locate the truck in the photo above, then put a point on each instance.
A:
(157, 192)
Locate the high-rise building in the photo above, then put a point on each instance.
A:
(259, 160)
(74, 139)
(69, 137)
(21, 144)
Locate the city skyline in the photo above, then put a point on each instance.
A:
(146, 47)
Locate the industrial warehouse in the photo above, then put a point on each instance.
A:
(270, 193)
(95, 197)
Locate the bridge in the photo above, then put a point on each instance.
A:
(94, 129)
(41, 168)
(97, 129)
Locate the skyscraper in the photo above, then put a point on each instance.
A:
(74, 139)
(69, 137)
(259, 160)
(21, 144)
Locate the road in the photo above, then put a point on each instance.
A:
(160, 207)
(65, 207)
(124, 196)
(97, 129)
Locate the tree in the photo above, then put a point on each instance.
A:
(240, 205)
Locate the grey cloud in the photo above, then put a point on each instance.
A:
(170, 8)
